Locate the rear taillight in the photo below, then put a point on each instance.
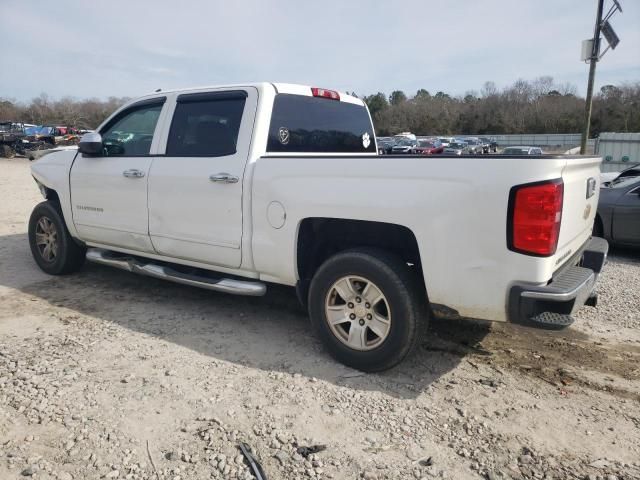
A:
(324, 93)
(535, 213)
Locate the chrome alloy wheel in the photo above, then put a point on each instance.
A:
(47, 239)
(358, 313)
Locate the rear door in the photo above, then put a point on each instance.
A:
(109, 193)
(626, 216)
(195, 189)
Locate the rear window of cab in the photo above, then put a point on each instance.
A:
(319, 125)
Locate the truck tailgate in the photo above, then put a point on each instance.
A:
(581, 177)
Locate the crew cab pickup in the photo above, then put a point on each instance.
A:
(235, 188)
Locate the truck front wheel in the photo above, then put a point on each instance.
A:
(368, 308)
(52, 247)
(7, 152)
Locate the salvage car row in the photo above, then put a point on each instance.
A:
(20, 138)
(408, 143)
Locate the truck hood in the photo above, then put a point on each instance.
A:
(38, 154)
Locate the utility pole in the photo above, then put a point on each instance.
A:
(595, 52)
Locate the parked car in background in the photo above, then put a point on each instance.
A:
(428, 147)
(492, 145)
(618, 215)
(31, 130)
(457, 148)
(445, 141)
(385, 145)
(522, 151)
(56, 135)
(404, 145)
(475, 146)
(404, 135)
(606, 177)
(13, 140)
(484, 144)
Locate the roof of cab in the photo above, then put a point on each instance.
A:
(290, 88)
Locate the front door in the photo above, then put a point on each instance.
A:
(626, 217)
(109, 192)
(195, 189)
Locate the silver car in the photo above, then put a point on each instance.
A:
(522, 151)
(457, 148)
(475, 146)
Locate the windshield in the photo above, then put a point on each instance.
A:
(456, 145)
(31, 130)
(405, 143)
(45, 130)
(426, 143)
(8, 127)
(621, 182)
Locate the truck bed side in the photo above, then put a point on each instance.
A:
(455, 206)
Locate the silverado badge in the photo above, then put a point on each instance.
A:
(366, 141)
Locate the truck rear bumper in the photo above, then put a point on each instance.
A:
(551, 305)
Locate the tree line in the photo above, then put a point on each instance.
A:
(537, 106)
(67, 111)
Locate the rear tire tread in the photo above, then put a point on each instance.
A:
(391, 274)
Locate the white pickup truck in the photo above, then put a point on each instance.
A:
(232, 188)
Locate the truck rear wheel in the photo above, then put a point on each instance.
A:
(368, 308)
(52, 247)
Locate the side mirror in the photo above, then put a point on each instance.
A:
(91, 144)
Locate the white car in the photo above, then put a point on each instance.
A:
(520, 150)
(234, 188)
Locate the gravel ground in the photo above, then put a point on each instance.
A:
(104, 374)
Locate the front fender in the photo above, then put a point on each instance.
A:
(52, 172)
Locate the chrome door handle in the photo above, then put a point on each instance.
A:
(133, 173)
(223, 178)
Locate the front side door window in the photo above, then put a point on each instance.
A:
(130, 133)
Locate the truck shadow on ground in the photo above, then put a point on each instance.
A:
(270, 333)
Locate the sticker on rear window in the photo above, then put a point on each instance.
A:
(283, 135)
(366, 141)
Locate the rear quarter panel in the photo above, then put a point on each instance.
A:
(455, 206)
(578, 212)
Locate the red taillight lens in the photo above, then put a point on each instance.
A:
(536, 213)
(324, 93)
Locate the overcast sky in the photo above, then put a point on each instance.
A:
(128, 48)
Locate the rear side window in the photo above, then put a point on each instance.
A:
(206, 124)
(319, 125)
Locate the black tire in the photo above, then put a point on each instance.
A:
(7, 152)
(69, 256)
(402, 290)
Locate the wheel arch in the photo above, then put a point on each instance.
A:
(318, 238)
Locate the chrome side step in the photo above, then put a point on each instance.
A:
(136, 265)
